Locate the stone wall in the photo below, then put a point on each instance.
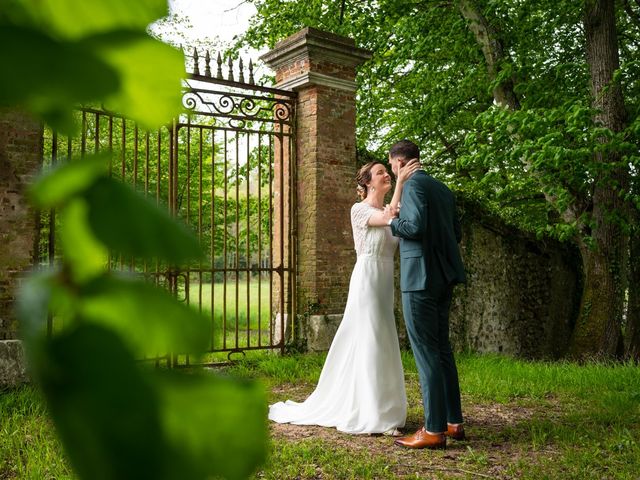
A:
(20, 160)
(522, 294)
(13, 365)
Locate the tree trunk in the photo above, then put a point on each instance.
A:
(598, 330)
(493, 51)
(632, 331)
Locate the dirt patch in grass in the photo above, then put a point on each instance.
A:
(496, 446)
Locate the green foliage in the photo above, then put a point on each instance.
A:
(116, 417)
(146, 95)
(101, 426)
(428, 81)
(77, 19)
(134, 227)
(68, 181)
(161, 325)
(198, 409)
(62, 54)
(67, 74)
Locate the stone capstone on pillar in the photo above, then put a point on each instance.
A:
(314, 57)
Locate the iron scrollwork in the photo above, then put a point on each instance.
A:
(238, 108)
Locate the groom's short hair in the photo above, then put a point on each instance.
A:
(405, 149)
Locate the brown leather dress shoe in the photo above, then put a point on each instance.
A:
(422, 439)
(456, 432)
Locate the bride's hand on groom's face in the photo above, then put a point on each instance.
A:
(408, 169)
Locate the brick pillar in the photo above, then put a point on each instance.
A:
(20, 159)
(321, 67)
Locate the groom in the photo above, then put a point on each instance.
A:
(430, 266)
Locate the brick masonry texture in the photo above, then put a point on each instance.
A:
(20, 160)
(326, 167)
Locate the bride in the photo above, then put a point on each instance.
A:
(361, 387)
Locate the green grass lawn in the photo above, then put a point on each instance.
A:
(250, 296)
(247, 310)
(245, 307)
(525, 420)
(29, 448)
(244, 320)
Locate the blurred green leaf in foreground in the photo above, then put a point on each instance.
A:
(117, 417)
(57, 55)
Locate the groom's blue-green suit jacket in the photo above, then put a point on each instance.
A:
(429, 231)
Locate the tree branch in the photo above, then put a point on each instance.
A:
(493, 51)
(449, 146)
(236, 7)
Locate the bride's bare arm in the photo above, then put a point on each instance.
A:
(377, 219)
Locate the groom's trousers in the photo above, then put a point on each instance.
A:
(426, 314)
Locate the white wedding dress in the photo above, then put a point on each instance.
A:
(361, 387)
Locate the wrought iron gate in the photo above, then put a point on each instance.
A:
(225, 168)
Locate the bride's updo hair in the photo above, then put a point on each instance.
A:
(362, 178)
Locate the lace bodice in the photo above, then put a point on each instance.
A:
(372, 241)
